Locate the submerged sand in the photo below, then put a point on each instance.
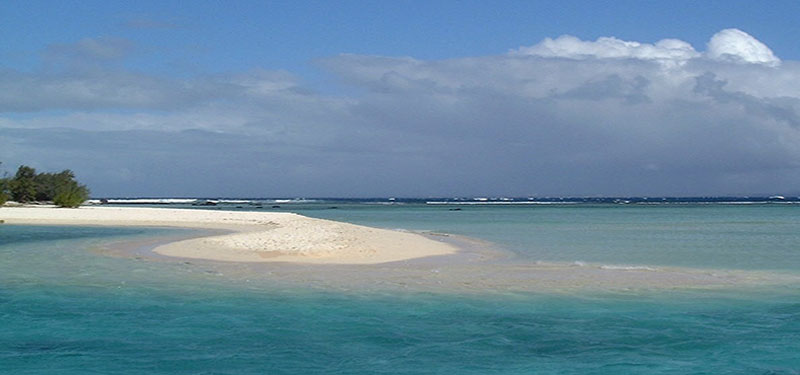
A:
(249, 236)
(285, 247)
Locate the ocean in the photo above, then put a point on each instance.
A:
(71, 303)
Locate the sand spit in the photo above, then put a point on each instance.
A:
(249, 236)
(268, 248)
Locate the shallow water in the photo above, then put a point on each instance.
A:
(67, 306)
(692, 235)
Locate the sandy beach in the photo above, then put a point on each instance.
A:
(249, 236)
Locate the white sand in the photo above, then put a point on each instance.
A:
(252, 237)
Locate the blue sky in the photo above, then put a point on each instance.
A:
(403, 98)
(223, 36)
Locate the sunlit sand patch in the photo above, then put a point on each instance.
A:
(252, 237)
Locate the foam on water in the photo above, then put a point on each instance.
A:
(627, 268)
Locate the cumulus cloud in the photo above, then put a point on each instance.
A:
(731, 45)
(738, 46)
(568, 46)
(562, 117)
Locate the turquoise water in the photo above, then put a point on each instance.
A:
(715, 236)
(66, 308)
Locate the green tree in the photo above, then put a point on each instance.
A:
(22, 186)
(49, 184)
(27, 185)
(71, 195)
(3, 189)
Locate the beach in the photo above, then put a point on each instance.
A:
(248, 236)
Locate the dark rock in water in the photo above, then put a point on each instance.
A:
(239, 207)
(276, 206)
(103, 201)
(332, 207)
(454, 209)
(204, 203)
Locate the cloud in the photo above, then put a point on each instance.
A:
(89, 90)
(731, 45)
(782, 110)
(738, 46)
(88, 52)
(570, 47)
(562, 117)
(101, 88)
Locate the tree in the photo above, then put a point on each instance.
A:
(22, 186)
(49, 184)
(3, 189)
(71, 195)
(27, 185)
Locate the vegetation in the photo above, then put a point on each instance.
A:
(3, 193)
(3, 189)
(22, 186)
(71, 195)
(27, 186)
(49, 185)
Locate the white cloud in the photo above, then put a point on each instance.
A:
(738, 46)
(114, 89)
(570, 47)
(562, 117)
(730, 45)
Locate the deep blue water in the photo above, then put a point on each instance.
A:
(65, 309)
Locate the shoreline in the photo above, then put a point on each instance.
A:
(444, 262)
(250, 237)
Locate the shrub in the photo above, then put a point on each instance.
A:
(3, 191)
(22, 186)
(49, 184)
(72, 195)
(27, 185)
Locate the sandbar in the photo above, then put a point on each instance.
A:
(280, 247)
(241, 236)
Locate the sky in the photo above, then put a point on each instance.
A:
(404, 98)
